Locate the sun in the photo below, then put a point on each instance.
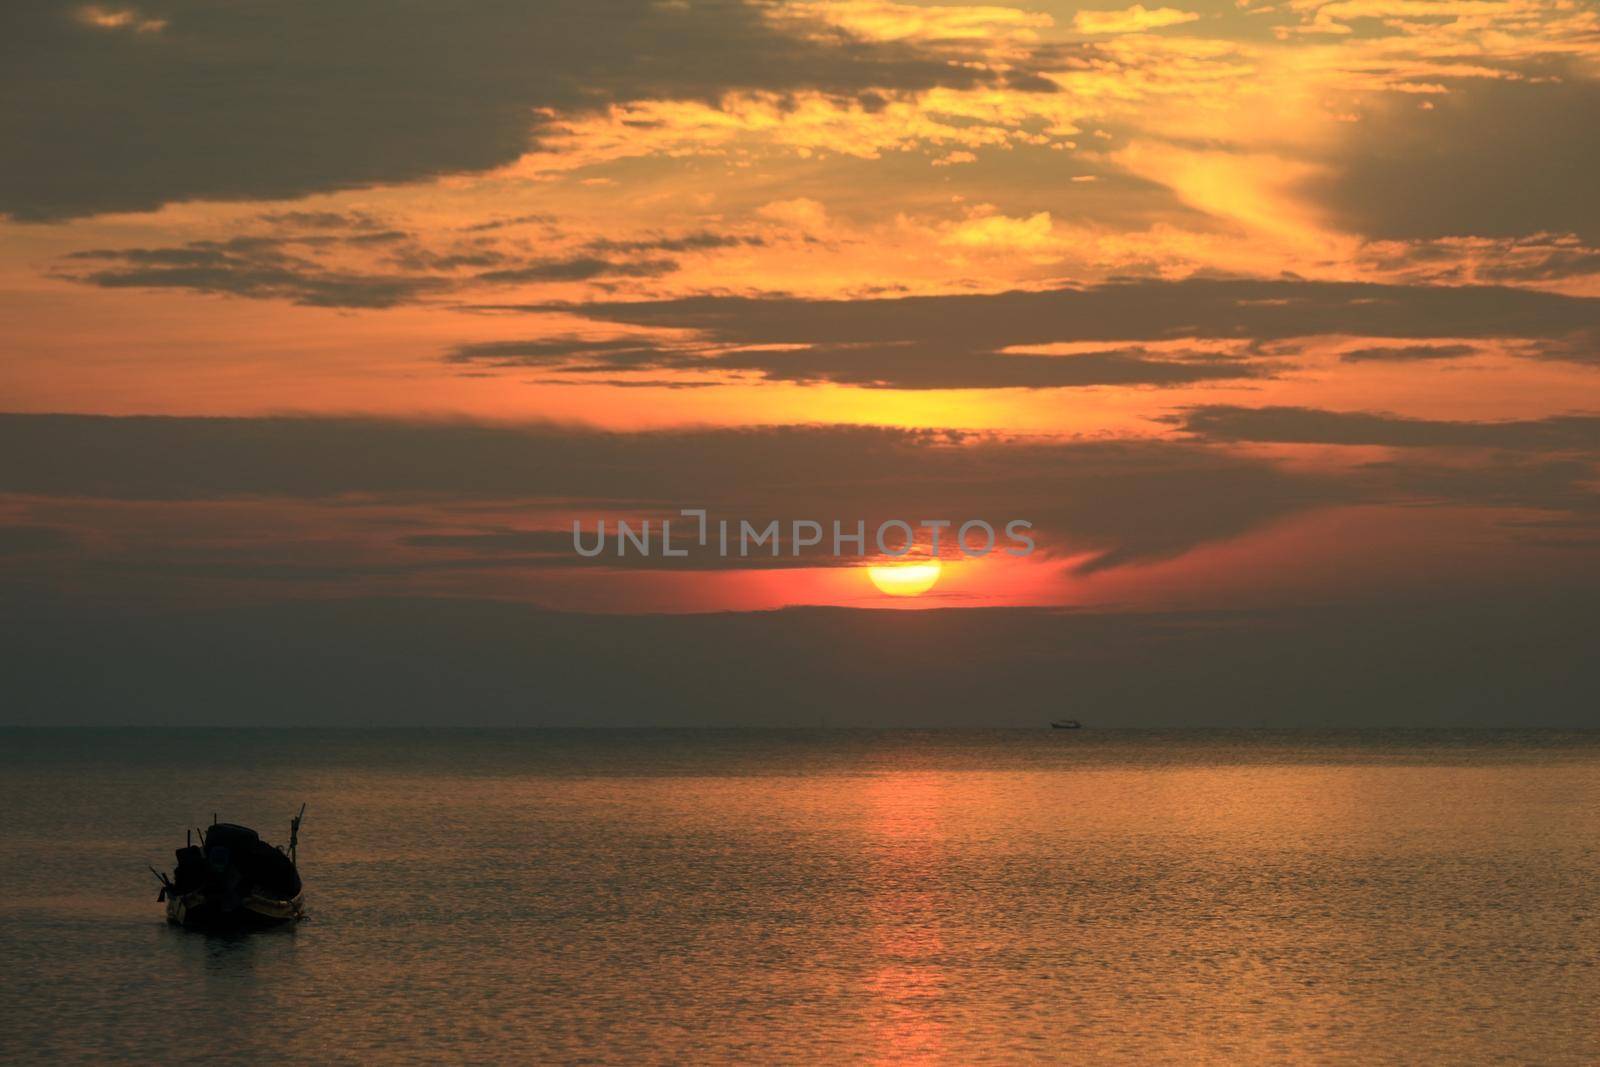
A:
(905, 579)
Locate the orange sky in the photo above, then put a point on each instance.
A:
(1317, 291)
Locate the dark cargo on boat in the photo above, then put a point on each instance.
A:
(232, 879)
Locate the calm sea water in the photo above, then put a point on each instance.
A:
(636, 897)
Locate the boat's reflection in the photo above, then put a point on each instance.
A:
(245, 959)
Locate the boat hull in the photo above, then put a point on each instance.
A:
(195, 911)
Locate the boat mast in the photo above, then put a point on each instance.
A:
(294, 833)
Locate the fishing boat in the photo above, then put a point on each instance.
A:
(1065, 724)
(234, 880)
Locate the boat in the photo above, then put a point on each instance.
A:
(1065, 724)
(234, 880)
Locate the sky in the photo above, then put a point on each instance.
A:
(1279, 323)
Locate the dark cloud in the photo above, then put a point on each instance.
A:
(280, 98)
(699, 241)
(323, 220)
(1493, 157)
(152, 457)
(629, 383)
(1552, 265)
(1546, 464)
(381, 237)
(33, 540)
(544, 542)
(1580, 346)
(934, 367)
(457, 662)
(1539, 257)
(524, 549)
(1116, 312)
(422, 259)
(1408, 353)
(270, 267)
(1518, 480)
(256, 267)
(1298, 425)
(957, 342)
(564, 352)
(1104, 503)
(507, 223)
(579, 269)
(923, 366)
(1115, 502)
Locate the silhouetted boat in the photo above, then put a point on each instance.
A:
(1065, 724)
(234, 880)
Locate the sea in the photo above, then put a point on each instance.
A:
(817, 897)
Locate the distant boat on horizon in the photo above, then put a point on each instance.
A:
(1065, 724)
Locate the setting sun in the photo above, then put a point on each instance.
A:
(573, 404)
(905, 579)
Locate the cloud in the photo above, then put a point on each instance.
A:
(1493, 157)
(802, 212)
(927, 367)
(579, 269)
(1135, 19)
(351, 259)
(697, 241)
(119, 18)
(978, 341)
(881, 366)
(562, 352)
(33, 540)
(1408, 353)
(994, 231)
(254, 267)
(1559, 261)
(1547, 465)
(1553, 264)
(1581, 347)
(1561, 486)
(227, 507)
(265, 100)
(508, 223)
(324, 220)
(1298, 425)
(545, 542)
(1117, 312)
(886, 20)
(305, 269)
(1116, 501)
(523, 548)
(435, 661)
